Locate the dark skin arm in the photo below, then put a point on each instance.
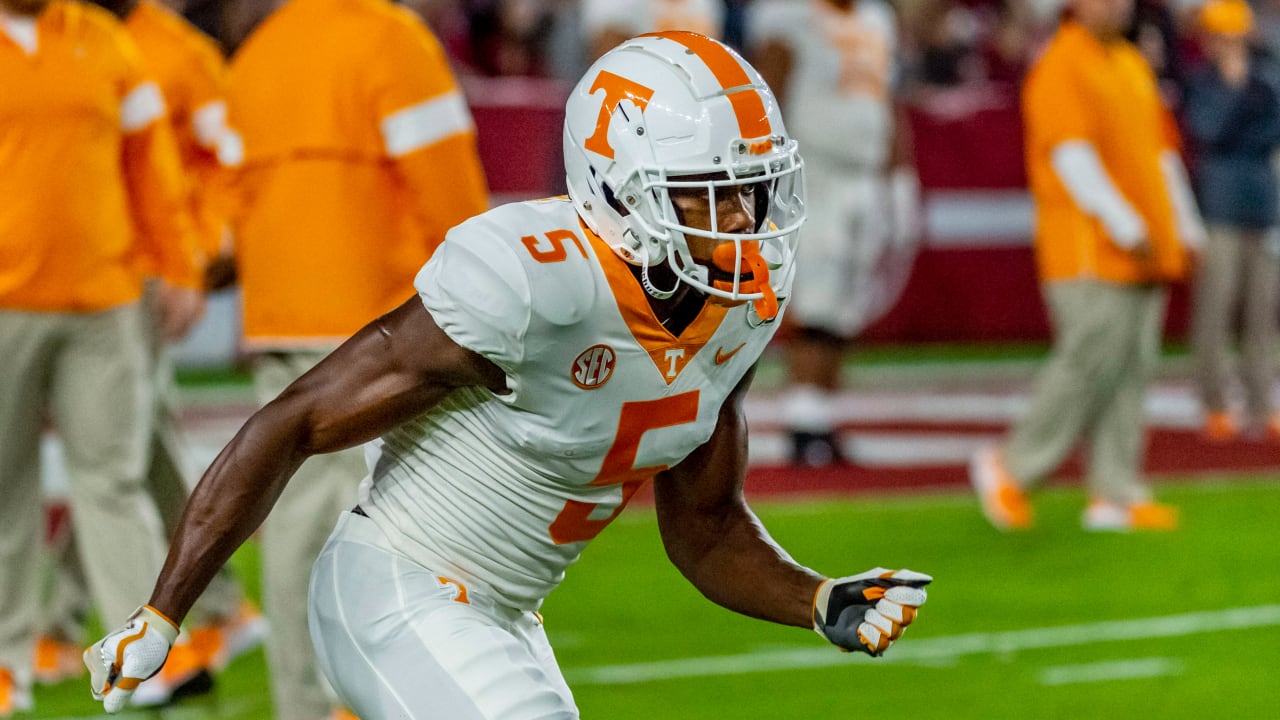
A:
(392, 370)
(717, 542)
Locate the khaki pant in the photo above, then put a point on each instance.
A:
(1106, 345)
(292, 537)
(845, 259)
(87, 371)
(171, 475)
(1239, 273)
(171, 472)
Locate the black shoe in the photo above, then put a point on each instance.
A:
(815, 449)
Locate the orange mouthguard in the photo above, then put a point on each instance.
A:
(723, 257)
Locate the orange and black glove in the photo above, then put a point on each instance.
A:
(868, 611)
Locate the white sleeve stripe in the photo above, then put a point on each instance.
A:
(230, 148)
(142, 106)
(426, 123)
(209, 122)
(1078, 166)
(1186, 213)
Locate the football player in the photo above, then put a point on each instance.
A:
(832, 65)
(559, 354)
(606, 23)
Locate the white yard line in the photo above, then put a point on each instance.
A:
(926, 651)
(1169, 405)
(230, 708)
(1134, 669)
(933, 650)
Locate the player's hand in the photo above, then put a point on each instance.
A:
(119, 662)
(870, 610)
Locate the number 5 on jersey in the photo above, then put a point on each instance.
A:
(575, 522)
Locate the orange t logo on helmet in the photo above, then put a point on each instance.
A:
(616, 89)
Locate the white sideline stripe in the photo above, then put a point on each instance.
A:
(426, 123)
(1165, 406)
(978, 218)
(935, 649)
(876, 449)
(1111, 670)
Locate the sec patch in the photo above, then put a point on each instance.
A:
(593, 367)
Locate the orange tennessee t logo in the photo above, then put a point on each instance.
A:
(616, 89)
(722, 357)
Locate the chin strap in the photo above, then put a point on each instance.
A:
(652, 289)
(724, 257)
(646, 282)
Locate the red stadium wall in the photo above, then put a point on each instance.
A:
(974, 278)
(518, 127)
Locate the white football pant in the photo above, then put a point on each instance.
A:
(844, 238)
(397, 641)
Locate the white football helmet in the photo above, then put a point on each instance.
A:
(681, 110)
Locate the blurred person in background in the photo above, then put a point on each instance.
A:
(509, 37)
(735, 23)
(188, 68)
(1232, 113)
(1266, 22)
(1114, 221)
(348, 159)
(961, 59)
(831, 64)
(606, 23)
(92, 189)
(448, 22)
(229, 22)
(950, 44)
(1154, 31)
(1008, 51)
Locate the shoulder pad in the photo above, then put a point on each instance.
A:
(557, 259)
(478, 293)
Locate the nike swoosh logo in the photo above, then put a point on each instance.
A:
(722, 357)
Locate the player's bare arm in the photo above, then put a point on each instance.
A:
(715, 539)
(717, 542)
(393, 369)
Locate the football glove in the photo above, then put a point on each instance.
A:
(119, 662)
(868, 611)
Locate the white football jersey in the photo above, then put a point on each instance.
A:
(635, 17)
(502, 492)
(839, 93)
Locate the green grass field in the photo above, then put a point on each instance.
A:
(1053, 623)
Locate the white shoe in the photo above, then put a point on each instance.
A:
(15, 694)
(1103, 516)
(1003, 503)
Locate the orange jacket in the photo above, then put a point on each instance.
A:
(86, 156)
(191, 73)
(1106, 95)
(355, 152)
